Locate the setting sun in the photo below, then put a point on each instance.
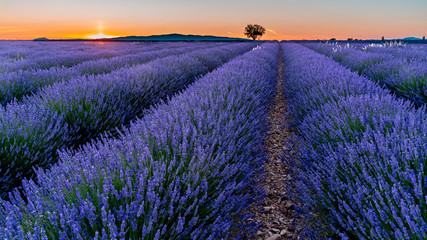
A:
(100, 36)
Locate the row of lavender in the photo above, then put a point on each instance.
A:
(19, 50)
(400, 50)
(403, 70)
(15, 85)
(361, 168)
(57, 54)
(184, 171)
(24, 49)
(53, 56)
(68, 114)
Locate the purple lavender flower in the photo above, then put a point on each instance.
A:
(74, 112)
(143, 181)
(362, 151)
(399, 68)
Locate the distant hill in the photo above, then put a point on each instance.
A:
(398, 39)
(410, 39)
(165, 37)
(176, 37)
(41, 39)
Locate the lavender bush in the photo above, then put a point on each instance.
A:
(92, 105)
(27, 55)
(399, 50)
(403, 70)
(30, 135)
(54, 59)
(184, 171)
(20, 83)
(321, 88)
(15, 51)
(361, 163)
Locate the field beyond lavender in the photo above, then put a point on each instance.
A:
(121, 140)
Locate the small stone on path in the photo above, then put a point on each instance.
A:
(274, 237)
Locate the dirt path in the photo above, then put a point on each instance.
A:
(277, 213)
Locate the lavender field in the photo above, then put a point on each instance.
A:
(132, 140)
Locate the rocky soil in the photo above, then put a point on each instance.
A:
(276, 214)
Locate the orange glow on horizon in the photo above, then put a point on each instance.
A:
(100, 36)
(82, 31)
(95, 29)
(277, 31)
(283, 20)
(27, 35)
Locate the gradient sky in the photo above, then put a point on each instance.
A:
(283, 19)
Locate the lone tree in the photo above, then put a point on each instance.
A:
(254, 31)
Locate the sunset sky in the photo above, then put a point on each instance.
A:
(283, 19)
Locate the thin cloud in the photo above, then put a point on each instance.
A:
(273, 32)
(230, 33)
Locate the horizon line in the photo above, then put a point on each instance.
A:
(175, 33)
